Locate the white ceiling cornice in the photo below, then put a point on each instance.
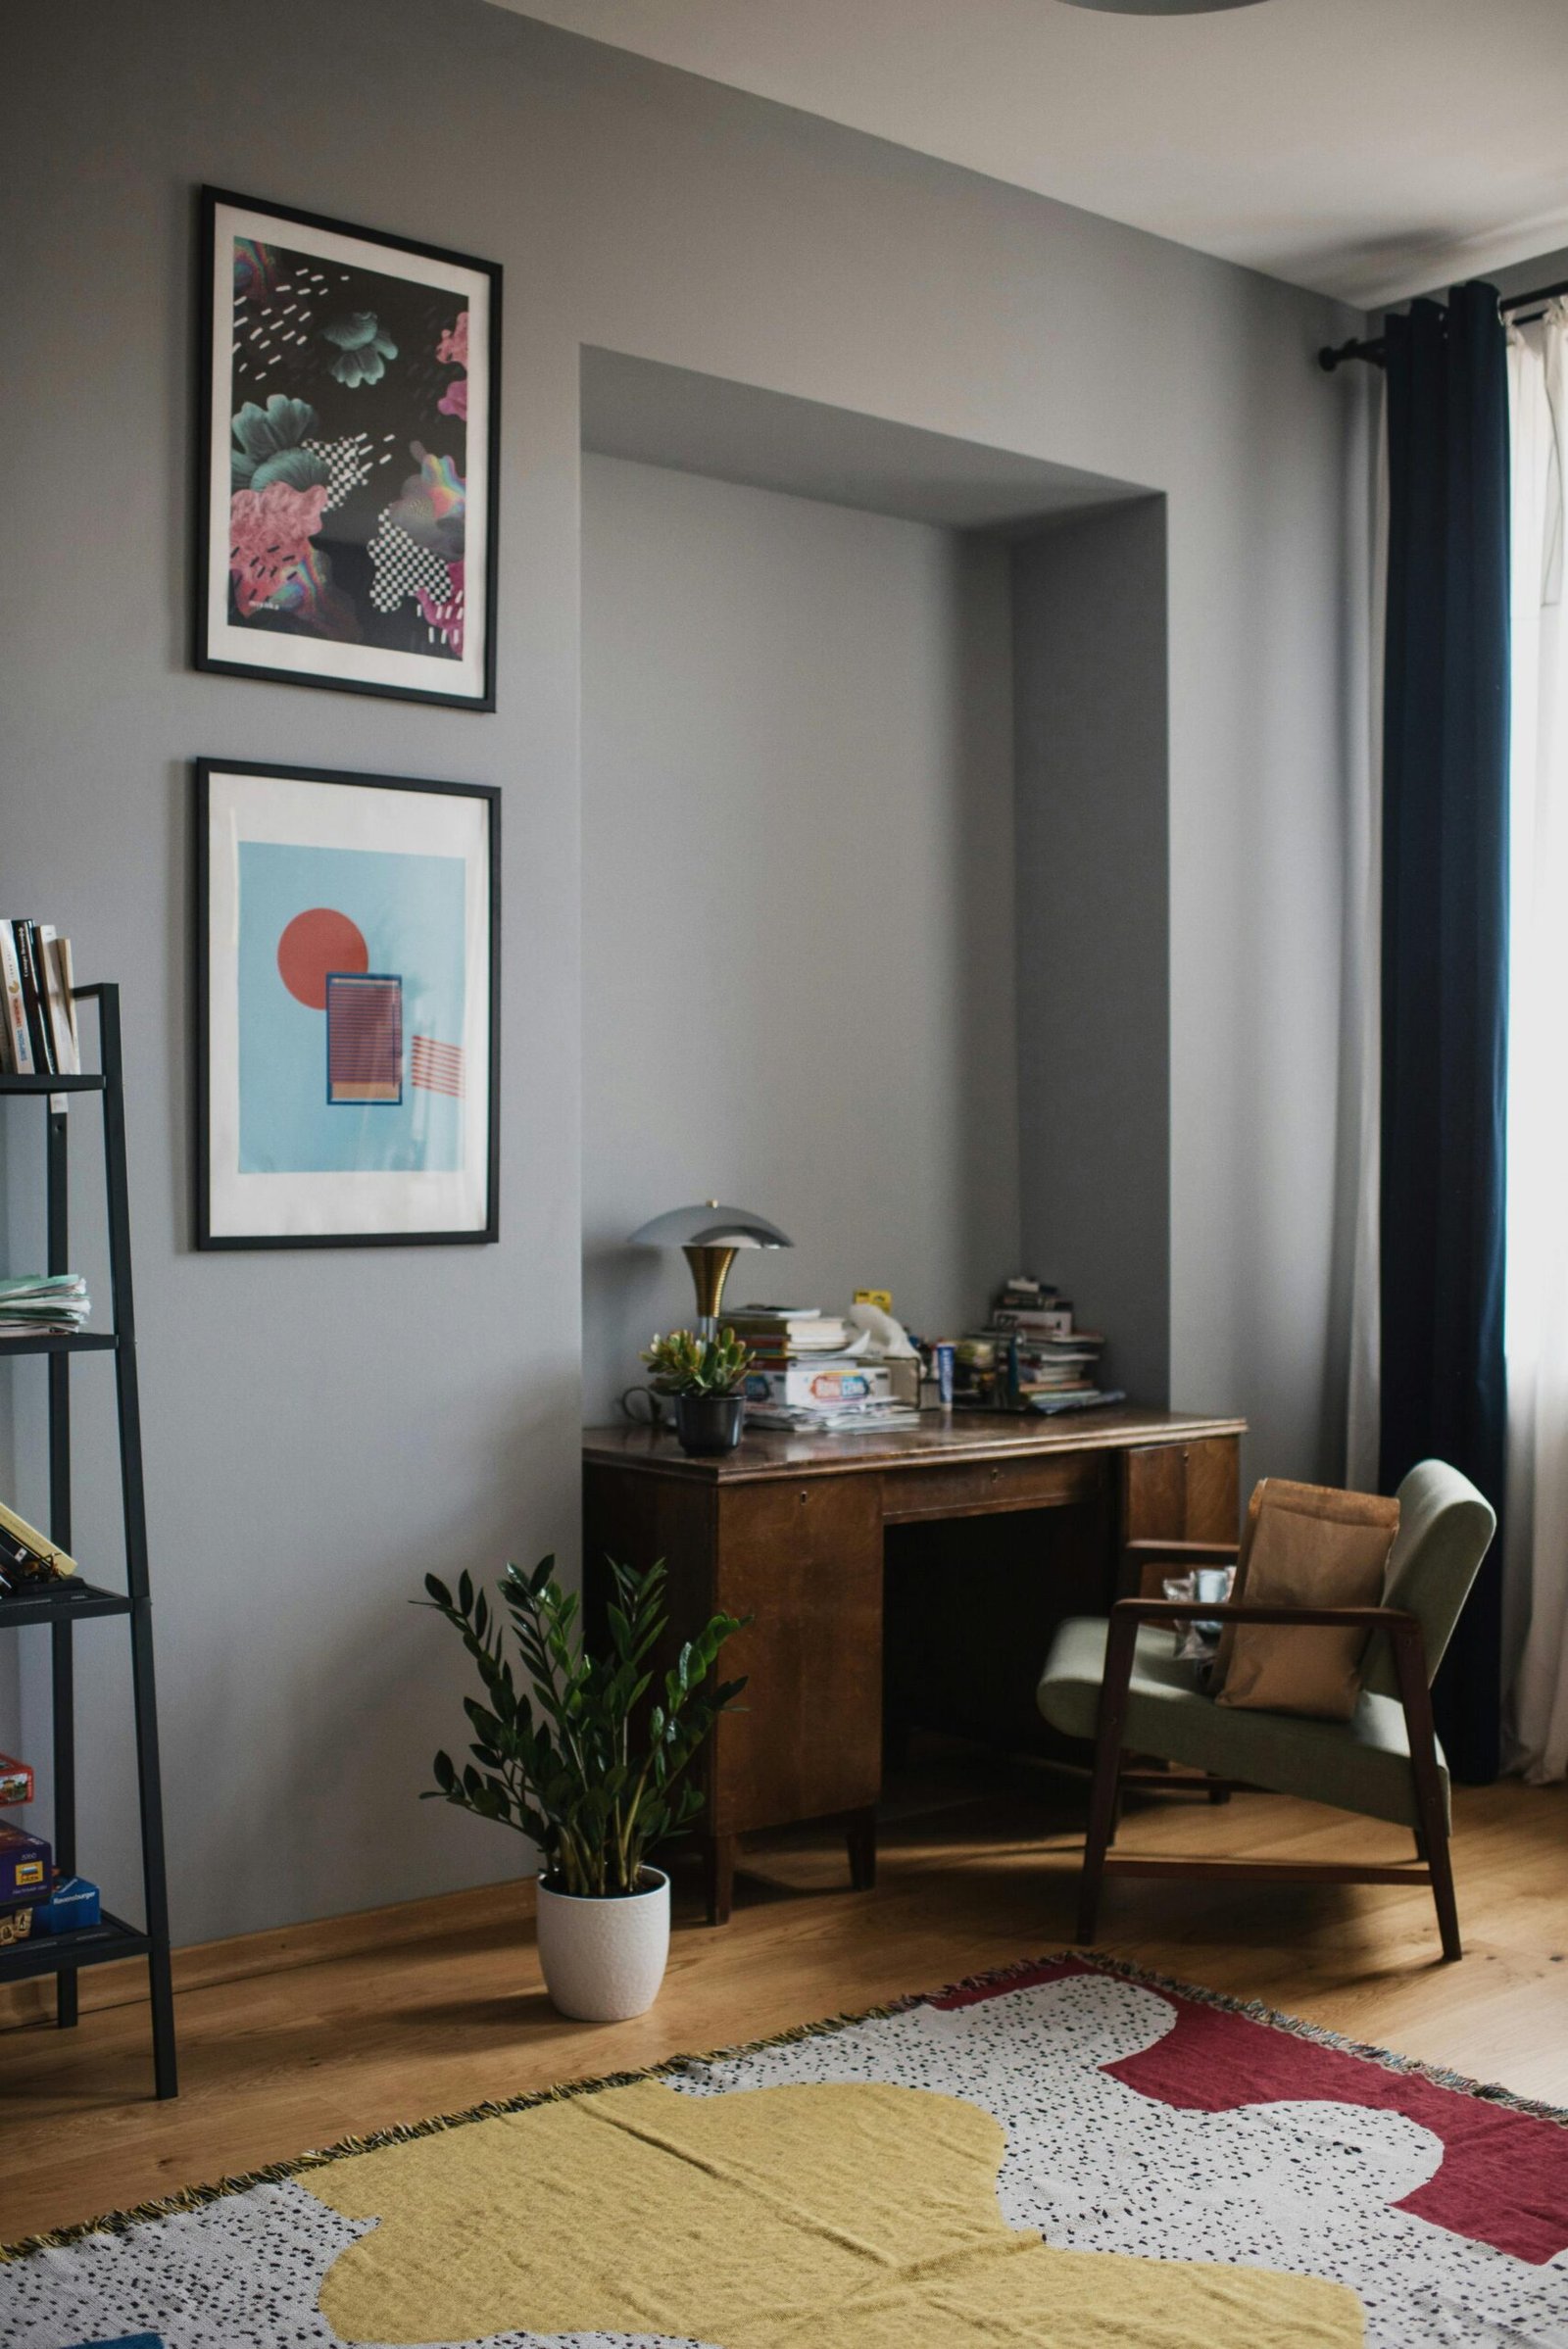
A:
(1368, 149)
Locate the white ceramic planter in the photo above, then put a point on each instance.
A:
(603, 1960)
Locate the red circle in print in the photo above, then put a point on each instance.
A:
(314, 944)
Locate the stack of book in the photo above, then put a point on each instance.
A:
(43, 1305)
(1031, 1357)
(809, 1370)
(38, 1032)
(778, 1335)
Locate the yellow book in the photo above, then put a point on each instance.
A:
(46, 1556)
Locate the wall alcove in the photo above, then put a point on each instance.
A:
(875, 862)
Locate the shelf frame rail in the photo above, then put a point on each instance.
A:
(66, 1954)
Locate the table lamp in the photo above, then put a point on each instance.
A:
(709, 1236)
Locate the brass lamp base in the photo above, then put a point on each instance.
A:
(709, 1270)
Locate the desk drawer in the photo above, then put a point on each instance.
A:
(978, 1487)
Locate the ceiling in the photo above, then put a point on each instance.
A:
(1369, 149)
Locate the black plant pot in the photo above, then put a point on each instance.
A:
(709, 1423)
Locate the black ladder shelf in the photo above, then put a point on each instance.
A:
(63, 1606)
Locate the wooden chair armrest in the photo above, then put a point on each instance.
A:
(1192, 1554)
(1396, 1620)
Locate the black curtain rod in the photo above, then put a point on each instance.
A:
(1331, 356)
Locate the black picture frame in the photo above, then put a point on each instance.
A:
(217, 649)
(204, 772)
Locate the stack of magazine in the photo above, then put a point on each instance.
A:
(43, 1305)
(811, 1370)
(38, 1032)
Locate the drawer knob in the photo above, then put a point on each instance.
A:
(802, 1500)
(994, 1473)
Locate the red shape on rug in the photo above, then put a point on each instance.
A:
(1503, 2175)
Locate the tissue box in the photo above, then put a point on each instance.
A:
(71, 1905)
(25, 1871)
(16, 1780)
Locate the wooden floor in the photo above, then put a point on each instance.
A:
(979, 1868)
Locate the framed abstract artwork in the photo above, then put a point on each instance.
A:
(346, 503)
(347, 1000)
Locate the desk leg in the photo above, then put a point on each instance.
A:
(860, 1833)
(719, 1857)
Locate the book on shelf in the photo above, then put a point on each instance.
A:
(38, 1035)
(59, 981)
(33, 995)
(43, 1305)
(27, 1557)
(16, 1038)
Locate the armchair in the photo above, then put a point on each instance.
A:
(1118, 1681)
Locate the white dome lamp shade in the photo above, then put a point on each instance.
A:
(709, 1236)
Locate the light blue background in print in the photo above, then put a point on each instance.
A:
(409, 912)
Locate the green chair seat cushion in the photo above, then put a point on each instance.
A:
(1362, 1764)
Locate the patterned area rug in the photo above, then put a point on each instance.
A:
(1069, 2154)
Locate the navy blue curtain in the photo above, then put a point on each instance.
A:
(1446, 945)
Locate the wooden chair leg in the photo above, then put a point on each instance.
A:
(1432, 1835)
(859, 1834)
(1120, 1641)
(1442, 1898)
(1096, 1840)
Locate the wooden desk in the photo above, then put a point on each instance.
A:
(790, 1530)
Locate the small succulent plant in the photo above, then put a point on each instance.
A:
(685, 1364)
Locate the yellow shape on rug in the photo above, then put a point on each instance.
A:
(807, 2217)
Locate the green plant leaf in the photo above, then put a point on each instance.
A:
(568, 1757)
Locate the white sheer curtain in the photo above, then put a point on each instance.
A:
(1361, 1021)
(1535, 1602)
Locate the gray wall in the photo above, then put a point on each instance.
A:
(1093, 928)
(321, 1427)
(797, 901)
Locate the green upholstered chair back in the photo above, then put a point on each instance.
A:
(1446, 1529)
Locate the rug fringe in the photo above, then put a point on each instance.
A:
(194, 2198)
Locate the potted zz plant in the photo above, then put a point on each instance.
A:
(583, 1763)
(707, 1376)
